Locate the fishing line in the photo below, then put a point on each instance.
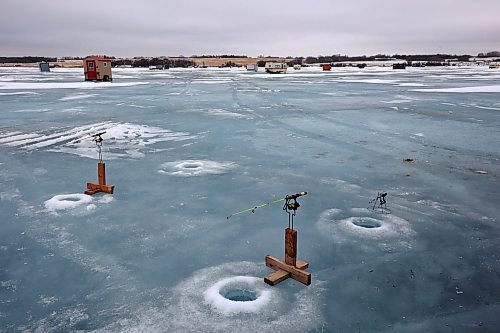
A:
(287, 204)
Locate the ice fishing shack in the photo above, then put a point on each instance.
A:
(97, 69)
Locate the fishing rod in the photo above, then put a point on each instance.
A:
(286, 198)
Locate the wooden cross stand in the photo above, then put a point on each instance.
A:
(101, 172)
(290, 267)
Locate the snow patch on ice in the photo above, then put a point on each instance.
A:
(32, 110)
(65, 85)
(360, 224)
(411, 84)
(106, 198)
(91, 207)
(188, 168)
(475, 89)
(76, 97)
(17, 137)
(121, 139)
(485, 107)
(371, 81)
(212, 81)
(224, 113)
(47, 300)
(398, 99)
(18, 93)
(67, 201)
(217, 293)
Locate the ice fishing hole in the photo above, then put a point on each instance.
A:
(72, 199)
(240, 295)
(368, 223)
(191, 165)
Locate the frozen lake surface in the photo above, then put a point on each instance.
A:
(187, 147)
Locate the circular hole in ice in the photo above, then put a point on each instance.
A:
(67, 201)
(368, 223)
(71, 199)
(191, 165)
(240, 295)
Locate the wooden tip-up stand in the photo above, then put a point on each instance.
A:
(291, 267)
(101, 178)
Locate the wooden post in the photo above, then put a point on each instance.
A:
(101, 182)
(290, 246)
(101, 173)
(290, 267)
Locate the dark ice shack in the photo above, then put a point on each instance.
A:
(97, 69)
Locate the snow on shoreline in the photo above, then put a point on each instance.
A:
(65, 85)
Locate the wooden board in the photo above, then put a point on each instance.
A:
(276, 277)
(301, 264)
(295, 272)
(100, 188)
(281, 275)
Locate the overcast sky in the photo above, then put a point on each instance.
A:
(251, 27)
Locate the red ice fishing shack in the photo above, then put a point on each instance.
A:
(97, 68)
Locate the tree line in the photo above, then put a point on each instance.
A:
(26, 59)
(383, 57)
(145, 62)
(219, 56)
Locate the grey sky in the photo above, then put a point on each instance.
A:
(252, 27)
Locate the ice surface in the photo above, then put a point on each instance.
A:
(187, 147)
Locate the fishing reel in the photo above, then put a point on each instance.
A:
(381, 201)
(97, 138)
(291, 205)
